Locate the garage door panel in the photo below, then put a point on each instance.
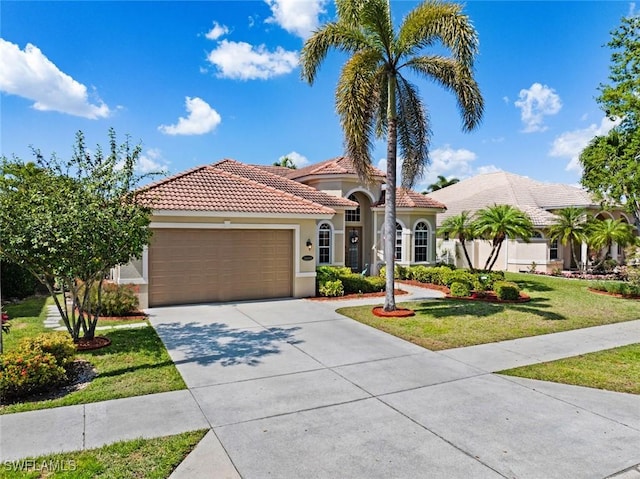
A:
(190, 266)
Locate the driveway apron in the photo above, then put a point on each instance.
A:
(292, 389)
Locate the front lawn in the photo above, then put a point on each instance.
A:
(136, 362)
(557, 304)
(139, 458)
(615, 370)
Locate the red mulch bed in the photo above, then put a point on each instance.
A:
(397, 313)
(380, 294)
(615, 295)
(488, 296)
(90, 344)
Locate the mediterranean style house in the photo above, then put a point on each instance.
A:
(231, 231)
(536, 199)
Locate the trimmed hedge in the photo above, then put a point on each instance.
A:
(460, 289)
(352, 283)
(331, 288)
(506, 290)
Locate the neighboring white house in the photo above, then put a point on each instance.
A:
(540, 201)
(231, 231)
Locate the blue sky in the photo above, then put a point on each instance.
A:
(195, 82)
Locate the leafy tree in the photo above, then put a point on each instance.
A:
(69, 223)
(442, 182)
(285, 162)
(461, 227)
(570, 227)
(611, 163)
(603, 233)
(375, 99)
(496, 223)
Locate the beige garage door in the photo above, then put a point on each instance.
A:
(196, 266)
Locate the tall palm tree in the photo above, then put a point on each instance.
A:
(603, 233)
(462, 228)
(496, 223)
(373, 98)
(570, 227)
(442, 182)
(285, 162)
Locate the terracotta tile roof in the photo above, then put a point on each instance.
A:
(507, 188)
(335, 166)
(208, 188)
(264, 176)
(406, 198)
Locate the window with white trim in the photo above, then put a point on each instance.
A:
(398, 242)
(553, 249)
(324, 244)
(421, 242)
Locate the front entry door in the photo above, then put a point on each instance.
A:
(353, 249)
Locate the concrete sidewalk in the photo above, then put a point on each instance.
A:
(292, 389)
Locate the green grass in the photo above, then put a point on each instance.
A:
(140, 459)
(136, 363)
(557, 304)
(615, 370)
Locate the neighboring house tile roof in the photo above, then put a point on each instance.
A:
(208, 188)
(335, 166)
(266, 177)
(533, 197)
(406, 198)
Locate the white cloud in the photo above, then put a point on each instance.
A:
(506, 99)
(298, 159)
(30, 74)
(536, 103)
(571, 143)
(242, 61)
(482, 170)
(299, 17)
(216, 31)
(152, 161)
(202, 119)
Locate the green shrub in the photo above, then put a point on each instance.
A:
(449, 277)
(24, 372)
(330, 273)
(355, 283)
(506, 290)
(402, 272)
(17, 282)
(117, 299)
(460, 289)
(58, 344)
(332, 288)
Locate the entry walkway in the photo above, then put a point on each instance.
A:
(292, 389)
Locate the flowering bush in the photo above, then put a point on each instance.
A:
(25, 372)
(58, 344)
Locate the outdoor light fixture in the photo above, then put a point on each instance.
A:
(309, 244)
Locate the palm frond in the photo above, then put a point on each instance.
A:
(375, 19)
(339, 36)
(434, 21)
(456, 78)
(357, 98)
(413, 132)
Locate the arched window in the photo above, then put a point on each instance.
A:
(324, 243)
(537, 235)
(421, 242)
(398, 241)
(353, 216)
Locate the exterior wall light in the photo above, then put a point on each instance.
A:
(309, 244)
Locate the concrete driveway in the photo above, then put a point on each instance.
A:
(292, 389)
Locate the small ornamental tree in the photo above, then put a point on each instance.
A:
(69, 223)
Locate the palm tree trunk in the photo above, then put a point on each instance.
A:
(390, 199)
(466, 254)
(488, 262)
(495, 256)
